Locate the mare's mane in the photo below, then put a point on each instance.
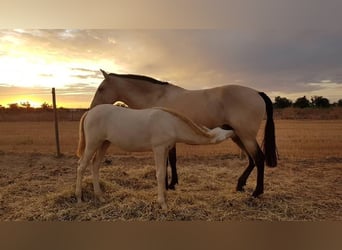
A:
(140, 77)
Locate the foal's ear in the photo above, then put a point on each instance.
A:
(105, 75)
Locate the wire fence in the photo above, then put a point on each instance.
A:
(16, 112)
(39, 115)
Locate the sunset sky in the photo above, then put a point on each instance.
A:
(282, 59)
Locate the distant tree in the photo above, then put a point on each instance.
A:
(282, 102)
(46, 106)
(301, 102)
(26, 105)
(320, 102)
(13, 106)
(339, 103)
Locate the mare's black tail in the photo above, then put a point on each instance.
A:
(269, 143)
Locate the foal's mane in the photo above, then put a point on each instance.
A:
(140, 77)
(201, 130)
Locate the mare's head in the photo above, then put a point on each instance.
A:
(137, 91)
(105, 93)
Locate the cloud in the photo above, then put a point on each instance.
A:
(268, 60)
(46, 75)
(245, 15)
(83, 73)
(78, 89)
(271, 60)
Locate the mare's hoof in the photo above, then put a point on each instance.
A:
(108, 162)
(171, 187)
(240, 186)
(257, 193)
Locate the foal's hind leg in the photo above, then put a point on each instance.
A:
(95, 169)
(82, 165)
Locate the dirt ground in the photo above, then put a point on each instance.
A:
(305, 186)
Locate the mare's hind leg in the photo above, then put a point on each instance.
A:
(243, 178)
(259, 160)
(255, 155)
(174, 176)
(95, 169)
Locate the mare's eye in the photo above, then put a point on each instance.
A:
(101, 88)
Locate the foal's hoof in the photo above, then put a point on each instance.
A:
(240, 189)
(163, 206)
(171, 187)
(79, 203)
(99, 198)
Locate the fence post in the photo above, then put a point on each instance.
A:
(56, 121)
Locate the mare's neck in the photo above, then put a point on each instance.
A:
(147, 95)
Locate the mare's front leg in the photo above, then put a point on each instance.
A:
(174, 175)
(160, 153)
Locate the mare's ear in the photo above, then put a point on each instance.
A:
(105, 75)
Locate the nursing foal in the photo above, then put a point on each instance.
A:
(156, 129)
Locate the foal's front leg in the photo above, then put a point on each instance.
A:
(160, 153)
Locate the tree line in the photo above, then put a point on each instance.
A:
(304, 102)
(279, 102)
(26, 106)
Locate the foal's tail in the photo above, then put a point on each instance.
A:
(81, 139)
(269, 143)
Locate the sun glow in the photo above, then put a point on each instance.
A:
(30, 68)
(32, 103)
(27, 64)
(37, 71)
(24, 72)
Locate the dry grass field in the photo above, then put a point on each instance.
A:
(306, 185)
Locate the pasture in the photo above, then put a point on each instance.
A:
(305, 186)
